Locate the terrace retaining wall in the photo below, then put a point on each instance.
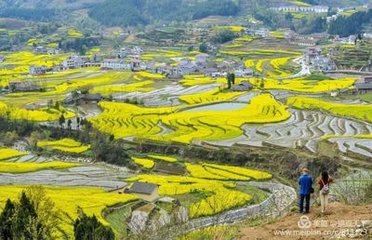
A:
(277, 204)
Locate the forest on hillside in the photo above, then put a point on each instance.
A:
(140, 12)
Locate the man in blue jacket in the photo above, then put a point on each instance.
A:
(306, 182)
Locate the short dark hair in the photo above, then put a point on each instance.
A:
(325, 176)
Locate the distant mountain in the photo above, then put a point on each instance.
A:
(139, 12)
(71, 4)
(142, 12)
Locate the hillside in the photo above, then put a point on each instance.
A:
(342, 221)
(72, 4)
(143, 12)
(134, 12)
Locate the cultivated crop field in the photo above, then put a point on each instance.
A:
(276, 100)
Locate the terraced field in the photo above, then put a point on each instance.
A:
(126, 120)
(305, 129)
(42, 171)
(219, 194)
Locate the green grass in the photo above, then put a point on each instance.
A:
(118, 220)
(166, 206)
(188, 200)
(258, 195)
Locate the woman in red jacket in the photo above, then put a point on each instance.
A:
(324, 182)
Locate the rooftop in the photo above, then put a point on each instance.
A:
(142, 188)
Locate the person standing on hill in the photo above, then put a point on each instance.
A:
(305, 182)
(324, 182)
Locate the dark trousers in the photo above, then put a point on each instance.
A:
(305, 197)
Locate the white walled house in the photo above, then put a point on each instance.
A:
(115, 64)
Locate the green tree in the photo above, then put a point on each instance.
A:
(6, 219)
(230, 80)
(47, 214)
(203, 47)
(25, 224)
(87, 228)
(57, 105)
(62, 120)
(69, 123)
(224, 36)
(34, 217)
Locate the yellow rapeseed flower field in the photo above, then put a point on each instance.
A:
(7, 153)
(205, 172)
(193, 80)
(67, 199)
(248, 172)
(127, 120)
(214, 95)
(133, 87)
(222, 197)
(306, 86)
(146, 163)
(40, 115)
(64, 145)
(148, 75)
(24, 167)
(73, 33)
(259, 52)
(163, 158)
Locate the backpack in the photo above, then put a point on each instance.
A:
(325, 189)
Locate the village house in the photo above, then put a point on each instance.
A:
(146, 191)
(295, 8)
(365, 85)
(115, 64)
(306, 41)
(345, 40)
(136, 64)
(38, 70)
(323, 63)
(212, 72)
(125, 52)
(39, 50)
(186, 67)
(318, 62)
(243, 86)
(23, 86)
(262, 32)
(58, 68)
(74, 62)
(367, 35)
(76, 97)
(201, 59)
(367, 67)
(90, 98)
(243, 72)
(173, 72)
(367, 79)
(53, 51)
(312, 53)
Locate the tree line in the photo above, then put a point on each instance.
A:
(34, 216)
(142, 12)
(104, 148)
(349, 25)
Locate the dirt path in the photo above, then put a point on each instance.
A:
(340, 222)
